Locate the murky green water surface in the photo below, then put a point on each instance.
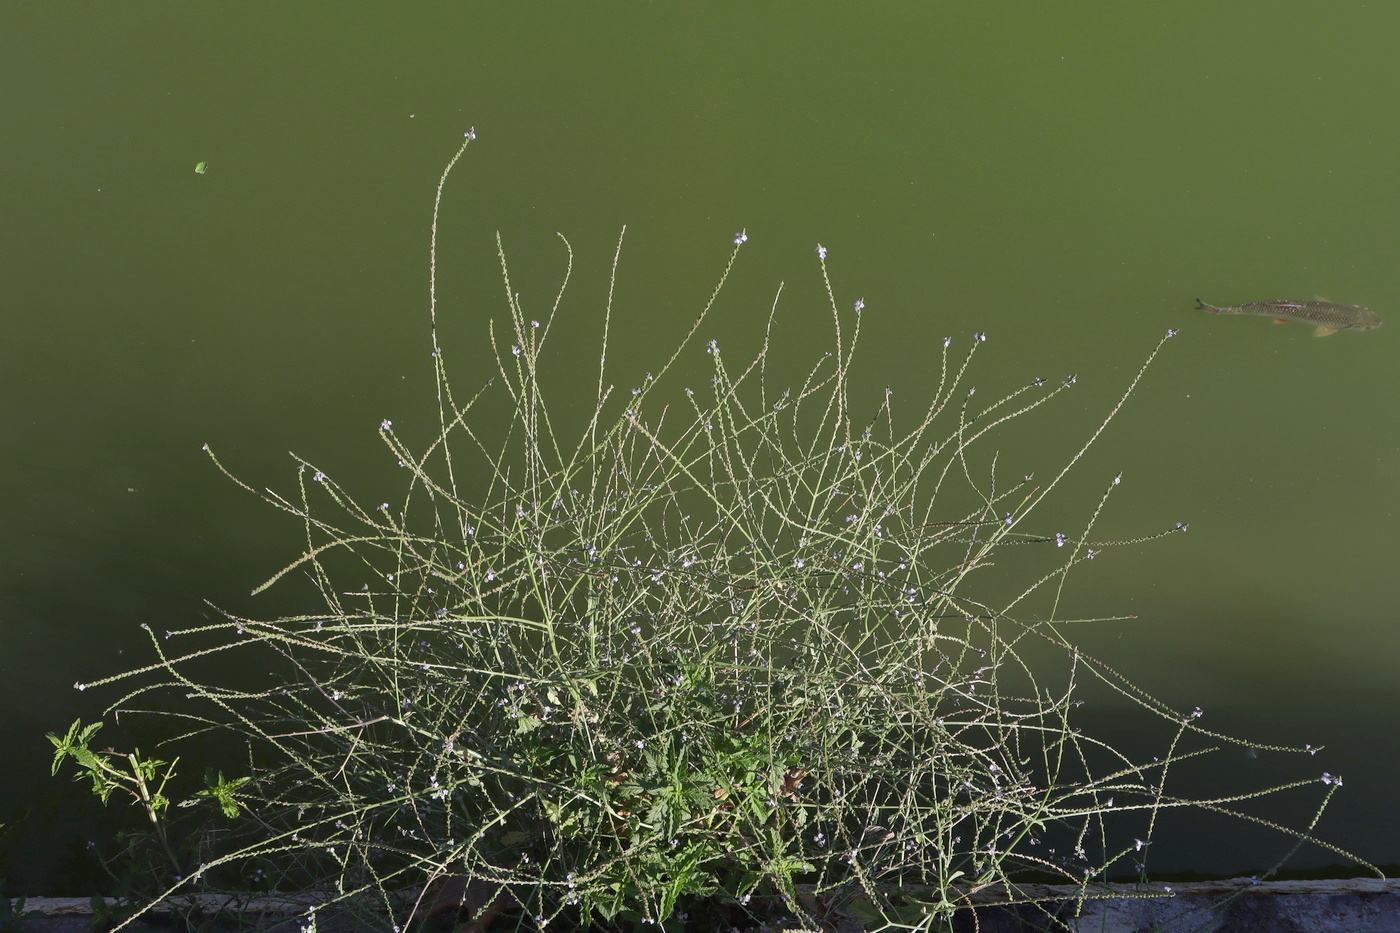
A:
(1065, 180)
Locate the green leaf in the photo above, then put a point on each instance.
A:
(145, 768)
(75, 743)
(221, 790)
(201, 168)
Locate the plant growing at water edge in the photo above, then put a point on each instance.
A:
(161, 851)
(719, 647)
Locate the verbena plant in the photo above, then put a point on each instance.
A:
(719, 648)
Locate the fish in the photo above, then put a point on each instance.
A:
(1328, 316)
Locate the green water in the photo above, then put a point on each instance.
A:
(1066, 180)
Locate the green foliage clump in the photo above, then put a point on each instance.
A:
(715, 650)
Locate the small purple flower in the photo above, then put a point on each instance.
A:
(471, 133)
(385, 425)
(1171, 331)
(741, 238)
(1060, 539)
(821, 251)
(860, 305)
(980, 338)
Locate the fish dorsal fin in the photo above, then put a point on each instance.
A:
(1323, 330)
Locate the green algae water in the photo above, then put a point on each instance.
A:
(1035, 176)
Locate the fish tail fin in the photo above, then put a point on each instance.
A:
(1202, 306)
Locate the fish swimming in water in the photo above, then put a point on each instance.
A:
(1328, 316)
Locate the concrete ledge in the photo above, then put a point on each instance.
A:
(1239, 905)
(1362, 905)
